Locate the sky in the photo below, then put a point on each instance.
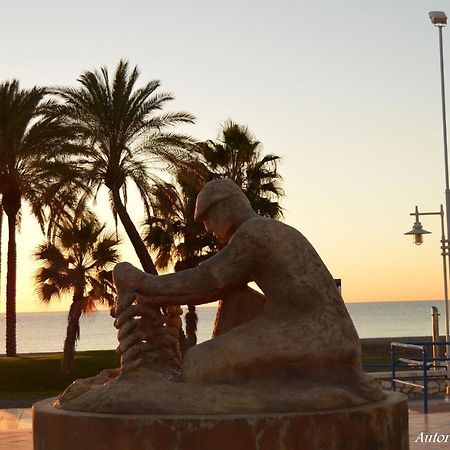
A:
(347, 92)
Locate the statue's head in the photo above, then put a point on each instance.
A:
(222, 206)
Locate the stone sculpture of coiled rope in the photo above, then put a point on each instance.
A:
(147, 337)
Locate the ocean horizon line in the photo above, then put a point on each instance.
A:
(41, 331)
(214, 305)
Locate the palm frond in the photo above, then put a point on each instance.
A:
(79, 260)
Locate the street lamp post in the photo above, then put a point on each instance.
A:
(417, 232)
(439, 19)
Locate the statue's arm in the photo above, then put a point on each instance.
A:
(227, 270)
(222, 294)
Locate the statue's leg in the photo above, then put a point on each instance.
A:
(236, 308)
(266, 349)
(257, 349)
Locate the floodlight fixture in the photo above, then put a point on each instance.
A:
(438, 18)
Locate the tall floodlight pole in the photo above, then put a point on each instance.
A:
(439, 19)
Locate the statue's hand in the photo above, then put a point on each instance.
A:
(124, 301)
(128, 280)
(127, 277)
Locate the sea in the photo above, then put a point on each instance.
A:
(41, 332)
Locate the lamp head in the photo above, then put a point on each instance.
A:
(417, 232)
(438, 18)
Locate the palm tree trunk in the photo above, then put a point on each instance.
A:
(1, 241)
(184, 344)
(135, 238)
(191, 319)
(72, 334)
(11, 349)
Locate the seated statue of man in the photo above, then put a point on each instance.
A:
(304, 332)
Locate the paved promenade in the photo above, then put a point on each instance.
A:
(15, 429)
(434, 425)
(16, 434)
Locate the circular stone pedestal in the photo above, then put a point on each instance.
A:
(376, 426)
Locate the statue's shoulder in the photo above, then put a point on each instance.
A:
(253, 221)
(256, 225)
(266, 228)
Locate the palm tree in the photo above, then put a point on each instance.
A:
(176, 239)
(237, 155)
(124, 133)
(78, 262)
(33, 167)
(172, 233)
(1, 240)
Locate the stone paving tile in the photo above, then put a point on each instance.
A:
(16, 440)
(26, 414)
(419, 445)
(427, 446)
(9, 414)
(25, 425)
(437, 421)
(9, 424)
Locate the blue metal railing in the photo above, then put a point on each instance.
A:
(424, 363)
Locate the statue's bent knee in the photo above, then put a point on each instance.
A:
(201, 362)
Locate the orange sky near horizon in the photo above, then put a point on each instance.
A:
(368, 274)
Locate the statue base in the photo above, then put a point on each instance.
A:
(378, 426)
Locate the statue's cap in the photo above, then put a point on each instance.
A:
(213, 192)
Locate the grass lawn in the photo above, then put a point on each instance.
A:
(37, 375)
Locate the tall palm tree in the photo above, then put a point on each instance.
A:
(33, 166)
(79, 261)
(1, 240)
(171, 230)
(237, 155)
(176, 239)
(172, 233)
(124, 132)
